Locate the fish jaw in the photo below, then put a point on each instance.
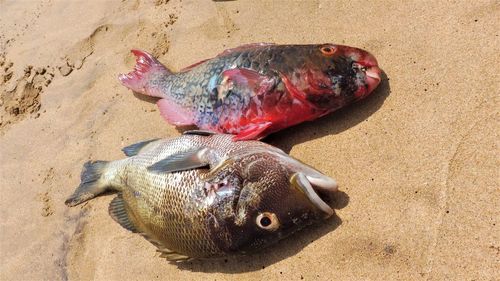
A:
(368, 65)
(372, 78)
(302, 183)
(311, 183)
(371, 81)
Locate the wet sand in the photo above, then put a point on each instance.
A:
(417, 162)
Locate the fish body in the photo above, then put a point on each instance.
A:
(202, 195)
(256, 89)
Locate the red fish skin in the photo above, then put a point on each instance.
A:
(257, 89)
(288, 111)
(280, 111)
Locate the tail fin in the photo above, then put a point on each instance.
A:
(137, 80)
(91, 184)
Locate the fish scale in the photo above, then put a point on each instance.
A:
(256, 89)
(202, 195)
(172, 194)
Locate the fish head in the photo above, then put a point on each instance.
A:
(278, 195)
(336, 75)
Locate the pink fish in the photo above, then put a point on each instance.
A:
(257, 89)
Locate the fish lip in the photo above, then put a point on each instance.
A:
(311, 185)
(372, 78)
(323, 183)
(374, 72)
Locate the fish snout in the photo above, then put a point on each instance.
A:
(368, 78)
(366, 67)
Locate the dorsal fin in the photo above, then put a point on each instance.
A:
(187, 68)
(117, 210)
(199, 133)
(228, 51)
(134, 149)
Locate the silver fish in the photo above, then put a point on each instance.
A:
(202, 195)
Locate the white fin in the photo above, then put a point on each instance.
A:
(182, 161)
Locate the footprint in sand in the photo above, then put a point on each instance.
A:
(45, 198)
(76, 56)
(21, 98)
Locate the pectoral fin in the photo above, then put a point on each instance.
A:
(182, 161)
(241, 80)
(253, 132)
(174, 113)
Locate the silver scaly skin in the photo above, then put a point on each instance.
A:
(203, 195)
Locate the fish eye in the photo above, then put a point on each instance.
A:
(267, 221)
(328, 51)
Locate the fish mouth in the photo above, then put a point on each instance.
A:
(314, 187)
(372, 78)
(368, 78)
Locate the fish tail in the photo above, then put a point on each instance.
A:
(91, 183)
(138, 79)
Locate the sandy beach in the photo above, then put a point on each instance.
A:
(417, 162)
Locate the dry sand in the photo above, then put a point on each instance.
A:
(418, 161)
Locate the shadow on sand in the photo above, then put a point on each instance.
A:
(334, 123)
